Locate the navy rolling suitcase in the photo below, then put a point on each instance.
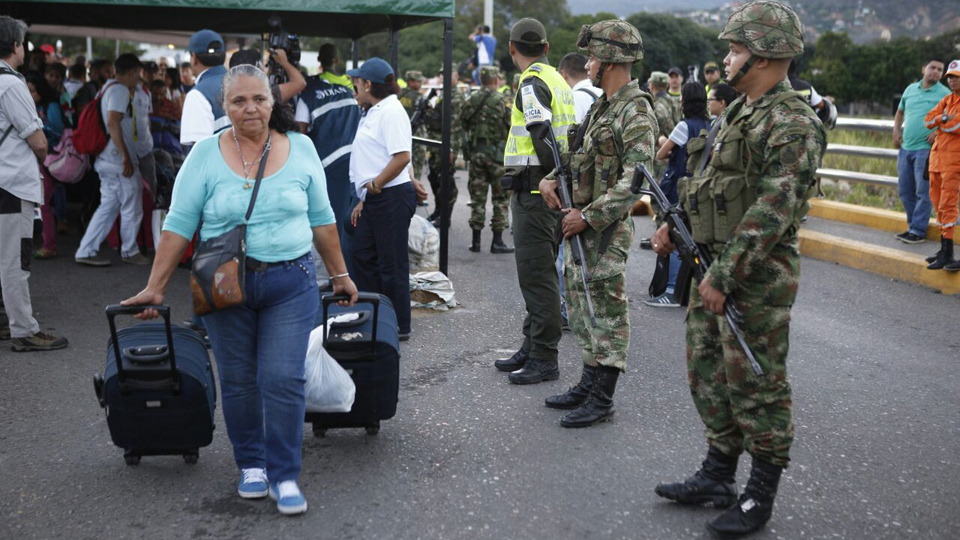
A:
(158, 389)
(369, 350)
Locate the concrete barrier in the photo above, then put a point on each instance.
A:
(875, 218)
(891, 263)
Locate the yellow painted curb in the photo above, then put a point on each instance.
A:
(875, 218)
(892, 263)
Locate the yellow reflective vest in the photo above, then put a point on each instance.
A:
(519, 151)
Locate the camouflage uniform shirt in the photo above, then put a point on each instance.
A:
(761, 262)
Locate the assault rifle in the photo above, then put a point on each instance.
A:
(566, 201)
(690, 251)
(421, 111)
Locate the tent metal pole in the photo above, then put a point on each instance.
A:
(395, 51)
(446, 168)
(355, 53)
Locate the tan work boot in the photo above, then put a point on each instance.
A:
(38, 342)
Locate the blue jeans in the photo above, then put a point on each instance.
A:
(260, 349)
(914, 190)
(380, 259)
(674, 272)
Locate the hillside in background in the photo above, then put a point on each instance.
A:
(862, 20)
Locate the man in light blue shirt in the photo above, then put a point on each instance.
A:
(913, 140)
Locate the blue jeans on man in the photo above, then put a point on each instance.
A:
(260, 349)
(914, 189)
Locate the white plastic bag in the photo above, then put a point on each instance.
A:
(329, 387)
(423, 245)
(432, 290)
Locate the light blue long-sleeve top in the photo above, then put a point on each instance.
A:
(290, 202)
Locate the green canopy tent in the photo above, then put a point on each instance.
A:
(350, 19)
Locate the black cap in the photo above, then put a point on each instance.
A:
(674, 71)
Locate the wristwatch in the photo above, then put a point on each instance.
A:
(944, 118)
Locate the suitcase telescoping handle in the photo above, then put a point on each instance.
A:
(113, 311)
(362, 298)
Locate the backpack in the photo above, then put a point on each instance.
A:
(91, 135)
(64, 162)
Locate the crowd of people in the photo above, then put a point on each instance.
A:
(332, 161)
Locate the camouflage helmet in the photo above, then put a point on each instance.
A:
(767, 29)
(613, 41)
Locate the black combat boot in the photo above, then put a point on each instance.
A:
(513, 363)
(576, 395)
(535, 371)
(475, 244)
(953, 267)
(933, 257)
(945, 256)
(755, 506)
(498, 246)
(714, 483)
(598, 406)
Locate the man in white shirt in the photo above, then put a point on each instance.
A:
(203, 113)
(121, 191)
(22, 144)
(584, 94)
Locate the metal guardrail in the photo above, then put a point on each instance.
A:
(863, 124)
(866, 124)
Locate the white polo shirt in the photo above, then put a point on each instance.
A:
(384, 131)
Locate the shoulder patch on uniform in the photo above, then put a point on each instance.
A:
(536, 68)
(790, 153)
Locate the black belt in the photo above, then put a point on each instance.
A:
(259, 266)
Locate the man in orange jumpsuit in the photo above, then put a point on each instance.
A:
(945, 168)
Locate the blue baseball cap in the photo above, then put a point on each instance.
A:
(374, 70)
(205, 42)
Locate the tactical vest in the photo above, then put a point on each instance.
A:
(482, 117)
(717, 198)
(519, 151)
(409, 98)
(210, 87)
(594, 172)
(334, 118)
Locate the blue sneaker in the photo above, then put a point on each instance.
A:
(254, 484)
(289, 499)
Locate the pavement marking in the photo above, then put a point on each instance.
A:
(892, 263)
(875, 218)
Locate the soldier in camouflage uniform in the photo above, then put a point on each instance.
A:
(746, 206)
(434, 127)
(409, 98)
(619, 135)
(667, 112)
(486, 120)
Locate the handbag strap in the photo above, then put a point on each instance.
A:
(256, 185)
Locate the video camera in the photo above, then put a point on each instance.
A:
(280, 39)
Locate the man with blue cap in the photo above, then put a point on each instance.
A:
(203, 113)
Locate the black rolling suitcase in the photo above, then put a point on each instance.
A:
(369, 350)
(160, 397)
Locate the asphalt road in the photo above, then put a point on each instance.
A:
(874, 366)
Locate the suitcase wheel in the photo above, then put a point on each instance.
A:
(98, 388)
(131, 459)
(373, 430)
(191, 458)
(319, 431)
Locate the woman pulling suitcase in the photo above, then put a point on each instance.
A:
(260, 340)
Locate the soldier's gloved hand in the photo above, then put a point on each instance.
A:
(548, 190)
(573, 223)
(661, 241)
(713, 299)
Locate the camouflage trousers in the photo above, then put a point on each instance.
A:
(606, 344)
(739, 409)
(485, 176)
(434, 177)
(419, 156)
